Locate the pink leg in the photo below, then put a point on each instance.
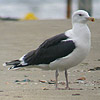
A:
(66, 76)
(56, 74)
(67, 85)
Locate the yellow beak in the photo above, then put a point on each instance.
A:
(91, 19)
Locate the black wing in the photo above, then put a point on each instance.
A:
(50, 50)
(53, 41)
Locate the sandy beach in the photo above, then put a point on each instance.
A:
(20, 37)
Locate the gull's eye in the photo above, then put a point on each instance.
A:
(80, 14)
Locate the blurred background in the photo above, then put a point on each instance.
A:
(47, 9)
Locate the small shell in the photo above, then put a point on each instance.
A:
(82, 78)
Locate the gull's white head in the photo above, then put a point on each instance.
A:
(81, 16)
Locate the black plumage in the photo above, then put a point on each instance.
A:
(50, 50)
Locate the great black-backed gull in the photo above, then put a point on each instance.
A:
(62, 51)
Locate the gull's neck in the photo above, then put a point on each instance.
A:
(81, 31)
(79, 26)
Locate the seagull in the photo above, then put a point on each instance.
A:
(62, 51)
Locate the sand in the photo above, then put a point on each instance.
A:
(19, 37)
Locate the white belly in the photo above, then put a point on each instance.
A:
(69, 61)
